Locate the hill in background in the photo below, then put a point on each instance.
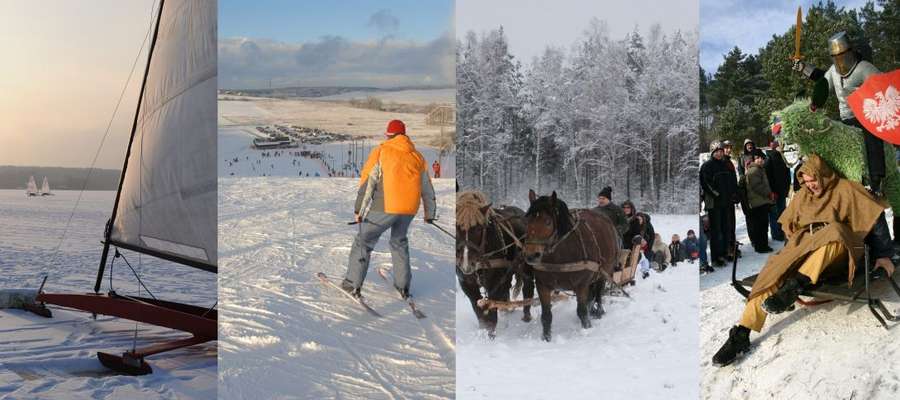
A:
(16, 177)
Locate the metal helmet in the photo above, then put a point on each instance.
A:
(715, 145)
(842, 53)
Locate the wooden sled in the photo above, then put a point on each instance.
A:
(824, 292)
(628, 261)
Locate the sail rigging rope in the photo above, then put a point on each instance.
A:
(55, 254)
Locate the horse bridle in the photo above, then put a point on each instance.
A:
(550, 243)
(483, 258)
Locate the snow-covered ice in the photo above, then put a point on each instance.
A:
(644, 348)
(56, 358)
(286, 335)
(831, 351)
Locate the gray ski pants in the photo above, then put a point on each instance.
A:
(370, 230)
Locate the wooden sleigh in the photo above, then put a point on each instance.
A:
(824, 292)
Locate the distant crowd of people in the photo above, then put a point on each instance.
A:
(636, 229)
(759, 181)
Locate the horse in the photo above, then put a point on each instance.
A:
(490, 236)
(575, 250)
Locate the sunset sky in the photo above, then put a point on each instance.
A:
(64, 65)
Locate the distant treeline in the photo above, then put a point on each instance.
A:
(13, 177)
(291, 92)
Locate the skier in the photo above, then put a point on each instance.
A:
(394, 179)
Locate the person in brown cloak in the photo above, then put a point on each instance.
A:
(827, 224)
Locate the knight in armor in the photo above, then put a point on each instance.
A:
(846, 74)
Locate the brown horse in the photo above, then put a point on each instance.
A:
(490, 237)
(574, 251)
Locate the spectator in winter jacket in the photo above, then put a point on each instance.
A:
(779, 175)
(719, 186)
(436, 167)
(704, 244)
(676, 250)
(661, 256)
(612, 210)
(730, 221)
(746, 156)
(643, 263)
(759, 199)
(393, 182)
(639, 224)
(691, 247)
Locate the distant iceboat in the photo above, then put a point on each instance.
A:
(45, 188)
(31, 189)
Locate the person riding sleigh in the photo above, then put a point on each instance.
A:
(827, 224)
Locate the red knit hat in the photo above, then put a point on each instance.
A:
(396, 126)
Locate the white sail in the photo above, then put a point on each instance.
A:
(45, 187)
(31, 189)
(168, 199)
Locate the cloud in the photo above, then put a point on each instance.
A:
(384, 21)
(335, 61)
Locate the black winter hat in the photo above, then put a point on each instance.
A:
(606, 192)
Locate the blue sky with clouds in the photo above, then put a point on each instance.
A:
(384, 43)
(748, 24)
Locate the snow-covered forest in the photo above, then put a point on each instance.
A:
(619, 112)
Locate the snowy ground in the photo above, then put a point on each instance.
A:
(643, 348)
(285, 335)
(56, 358)
(830, 351)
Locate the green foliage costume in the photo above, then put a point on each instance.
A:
(840, 145)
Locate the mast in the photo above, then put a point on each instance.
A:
(108, 232)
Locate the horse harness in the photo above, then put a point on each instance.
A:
(484, 260)
(586, 264)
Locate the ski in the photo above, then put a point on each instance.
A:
(409, 301)
(328, 282)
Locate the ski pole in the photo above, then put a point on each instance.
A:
(441, 229)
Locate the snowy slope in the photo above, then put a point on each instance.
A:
(285, 335)
(56, 358)
(643, 348)
(830, 351)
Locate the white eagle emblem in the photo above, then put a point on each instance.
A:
(884, 109)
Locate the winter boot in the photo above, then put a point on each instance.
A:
(348, 287)
(786, 295)
(738, 343)
(404, 293)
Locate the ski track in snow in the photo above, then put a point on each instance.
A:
(831, 351)
(285, 334)
(643, 348)
(56, 358)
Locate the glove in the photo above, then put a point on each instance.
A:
(798, 66)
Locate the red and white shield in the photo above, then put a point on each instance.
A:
(876, 105)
